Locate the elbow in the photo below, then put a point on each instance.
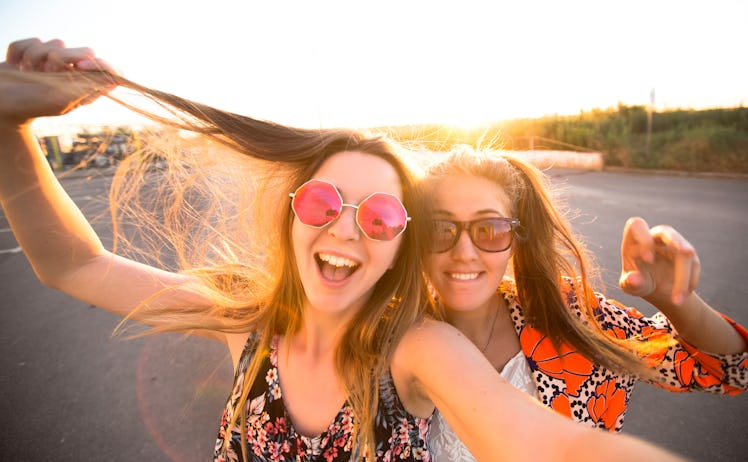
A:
(50, 279)
(67, 278)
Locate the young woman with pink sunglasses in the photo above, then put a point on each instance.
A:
(309, 271)
(510, 274)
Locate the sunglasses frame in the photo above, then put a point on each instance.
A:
(467, 225)
(356, 207)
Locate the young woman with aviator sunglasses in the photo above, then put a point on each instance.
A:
(322, 309)
(508, 272)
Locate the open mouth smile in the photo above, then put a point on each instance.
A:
(463, 276)
(335, 268)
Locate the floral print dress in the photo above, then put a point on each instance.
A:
(270, 435)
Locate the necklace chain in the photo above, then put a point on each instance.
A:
(490, 333)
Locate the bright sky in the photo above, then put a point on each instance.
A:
(391, 62)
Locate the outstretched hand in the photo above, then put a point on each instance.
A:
(658, 264)
(37, 79)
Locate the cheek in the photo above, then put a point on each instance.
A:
(388, 252)
(499, 262)
(433, 262)
(299, 238)
(436, 265)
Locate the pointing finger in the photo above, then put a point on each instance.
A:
(683, 256)
(637, 241)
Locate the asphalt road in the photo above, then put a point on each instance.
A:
(71, 391)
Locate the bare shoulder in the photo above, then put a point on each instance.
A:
(425, 337)
(410, 363)
(236, 344)
(428, 347)
(432, 360)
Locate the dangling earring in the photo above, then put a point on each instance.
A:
(394, 303)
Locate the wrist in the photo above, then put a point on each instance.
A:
(10, 127)
(685, 316)
(662, 302)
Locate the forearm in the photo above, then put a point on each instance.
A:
(52, 231)
(495, 420)
(596, 444)
(702, 326)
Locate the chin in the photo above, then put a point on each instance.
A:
(332, 304)
(461, 306)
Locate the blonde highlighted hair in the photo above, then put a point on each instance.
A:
(209, 198)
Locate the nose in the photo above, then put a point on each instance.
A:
(464, 250)
(344, 227)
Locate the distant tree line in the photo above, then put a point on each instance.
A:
(714, 140)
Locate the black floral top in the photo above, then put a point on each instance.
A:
(270, 434)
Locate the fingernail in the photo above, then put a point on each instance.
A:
(678, 299)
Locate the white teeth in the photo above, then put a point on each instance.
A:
(334, 260)
(463, 276)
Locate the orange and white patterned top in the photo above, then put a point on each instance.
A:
(589, 393)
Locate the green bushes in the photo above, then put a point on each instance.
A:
(714, 140)
(706, 148)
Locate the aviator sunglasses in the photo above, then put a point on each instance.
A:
(380, 216)
(487, 234)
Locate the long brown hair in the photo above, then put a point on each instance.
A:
(546, 258)
(218, 203)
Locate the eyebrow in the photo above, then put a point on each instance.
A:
(478, 212)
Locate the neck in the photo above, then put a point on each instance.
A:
(320, 332)
(477, 323)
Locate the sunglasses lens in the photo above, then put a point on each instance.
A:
(488, 235)
(443, 236)
(491, 235)
(382, 217)
(316, 203)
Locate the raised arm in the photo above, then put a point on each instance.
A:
(43, 79)
(436, 365)
(663, 268)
